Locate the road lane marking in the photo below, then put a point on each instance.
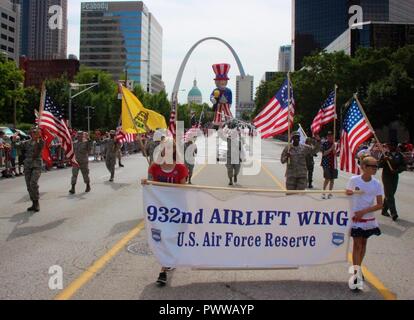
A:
(85, 277)
(276, 180)
(99, 264)
(375, 282)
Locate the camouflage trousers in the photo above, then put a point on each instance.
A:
(85, 173)
(233, 170)
(110, 165)
(296, 183)
(32, 176)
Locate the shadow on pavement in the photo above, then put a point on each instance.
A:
(397, 229)
(254, 290)
(27, 231)
(116, 186)
(123, 227)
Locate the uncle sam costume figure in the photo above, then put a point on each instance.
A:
(222, 97)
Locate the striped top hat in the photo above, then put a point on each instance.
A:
(221, 70)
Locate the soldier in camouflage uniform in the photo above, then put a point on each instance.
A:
(112, 148)
(82, 148)
(296, 172)
(33, 166)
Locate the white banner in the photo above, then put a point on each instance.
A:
(193, 228)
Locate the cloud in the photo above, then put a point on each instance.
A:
(254, 28)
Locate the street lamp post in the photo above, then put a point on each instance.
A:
(76, 86)
(89, 118)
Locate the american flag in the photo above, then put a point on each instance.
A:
(122, 137)
(52, 120)
(355, 131)
(326, 114)
(273, 120)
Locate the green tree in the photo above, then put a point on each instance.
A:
(10, 90)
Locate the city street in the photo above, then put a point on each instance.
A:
(99, 240)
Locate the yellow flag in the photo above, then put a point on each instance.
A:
(137, 118)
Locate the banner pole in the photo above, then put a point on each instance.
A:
(277, 191)
(289, 133)
(336, 112)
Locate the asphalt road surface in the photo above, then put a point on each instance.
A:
(99, 242)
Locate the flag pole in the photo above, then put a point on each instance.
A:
(137, 130)
(336, 113)
(289, 133)
(372, 129)
(42, 99)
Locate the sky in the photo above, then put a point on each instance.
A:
(254, 28)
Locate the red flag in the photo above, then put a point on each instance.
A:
(48, 139)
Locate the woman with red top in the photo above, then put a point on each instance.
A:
(166, 169)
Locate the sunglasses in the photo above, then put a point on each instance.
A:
(374, 166)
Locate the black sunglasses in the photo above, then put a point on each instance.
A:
(372, 166)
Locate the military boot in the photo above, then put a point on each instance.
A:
(36, 206)
(72, 191)
(88, 188)
(32, 207)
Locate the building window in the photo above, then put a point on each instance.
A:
(12, 19)
(11, 50)
(3, 36)
(3, 15)
(11, 29)
(4, 26)
(11, 39)
(3, 47)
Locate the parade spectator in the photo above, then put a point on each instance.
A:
(329, 163)
(295, 157)
(393, 164)
(20, 155)
(190, 151)
(2, 154)
(364, 205)
(310, 164)
(13, 155)
(166, 169)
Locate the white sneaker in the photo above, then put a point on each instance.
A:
(330, 196)
(323, 196)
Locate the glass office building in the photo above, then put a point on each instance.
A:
(115, 37)
(374, 35)
(317, 23)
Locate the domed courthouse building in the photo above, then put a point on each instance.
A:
(195, 96)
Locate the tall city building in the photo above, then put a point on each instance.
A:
(244, 95)
(10, 29)
(44, 28)
(285, 58)
(317, 23)
(124, 39)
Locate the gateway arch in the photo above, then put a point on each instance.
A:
(187, 57)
